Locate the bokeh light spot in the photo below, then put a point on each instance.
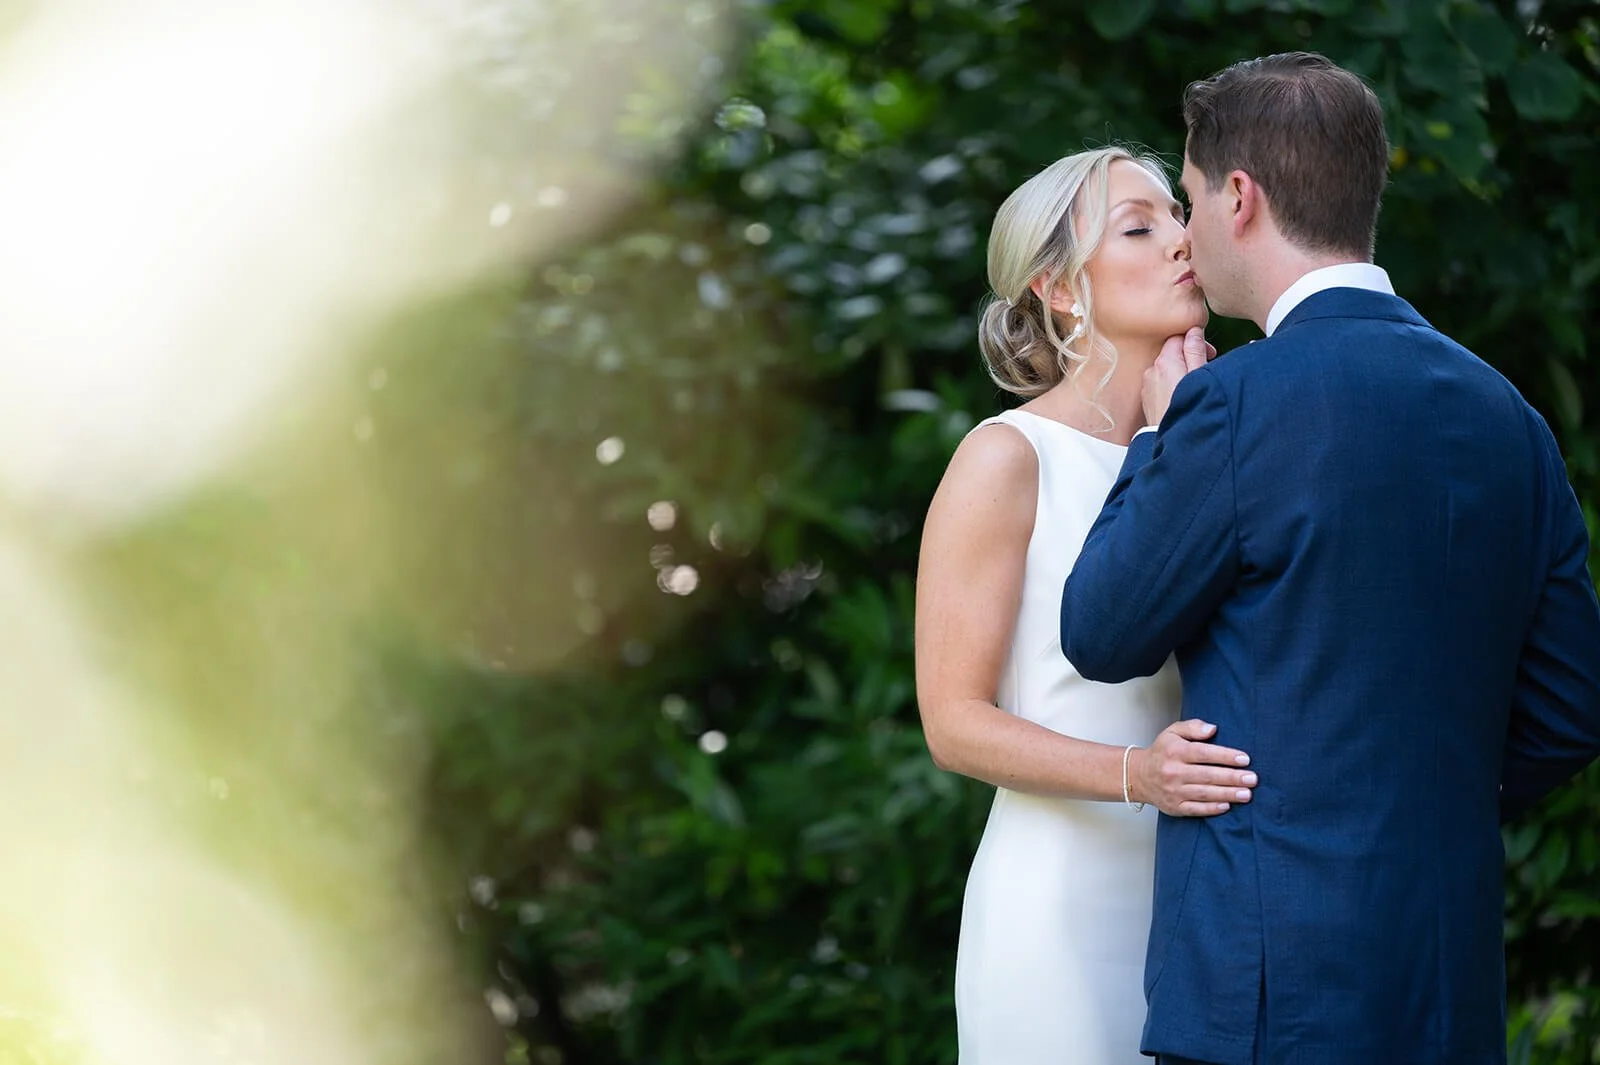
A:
(680, 580)
(662, 515)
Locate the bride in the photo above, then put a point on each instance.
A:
(1088, 261)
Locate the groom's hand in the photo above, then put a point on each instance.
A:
(1179, 355)
(1183, 775)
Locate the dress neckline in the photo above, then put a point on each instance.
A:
(1069, 428)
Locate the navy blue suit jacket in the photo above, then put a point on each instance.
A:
(1361, 544)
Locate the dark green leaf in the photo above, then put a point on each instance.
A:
(1576, 906)
(1434, 62)
(1328, 8)
(858, 21)
(1457, 135)
(1568, 397)
(1384, 18)
(1485, 35)
(1519, 842)
(1365, 59)
(1543, 88)
(1552, 859)
(1117, 19)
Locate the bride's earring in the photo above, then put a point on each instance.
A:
(1077, 321)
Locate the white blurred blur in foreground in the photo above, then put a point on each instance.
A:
(205, 207)
(187, 214)
(202, 201)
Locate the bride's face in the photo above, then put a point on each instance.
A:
(1143, 287)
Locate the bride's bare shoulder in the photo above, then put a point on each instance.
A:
(991, 481)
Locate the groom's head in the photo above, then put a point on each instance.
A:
(1283, 152)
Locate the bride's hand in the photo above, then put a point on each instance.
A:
(1179, 356)
(1183, 775)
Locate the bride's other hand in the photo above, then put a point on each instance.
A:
(1180, 355)
(1182, 774)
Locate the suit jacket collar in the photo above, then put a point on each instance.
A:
(1351, 303)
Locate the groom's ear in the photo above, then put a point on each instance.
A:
(1245, 201)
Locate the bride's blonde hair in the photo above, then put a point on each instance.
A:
(1035, 235)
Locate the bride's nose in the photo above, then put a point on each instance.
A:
(1179, 252)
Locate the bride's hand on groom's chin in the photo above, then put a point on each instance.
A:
(1184, 775)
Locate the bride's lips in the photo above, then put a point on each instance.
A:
(1187, 277)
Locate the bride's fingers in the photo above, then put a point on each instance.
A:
(1172, 349)
(1208, 793)
(1211, 754)
(1195, 354)
(1192, 729)
(1217, 777)
(1201, 809)
(1208, 802)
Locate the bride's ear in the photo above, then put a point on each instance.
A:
(1061, 300)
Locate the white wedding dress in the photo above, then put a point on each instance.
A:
(1053, 930)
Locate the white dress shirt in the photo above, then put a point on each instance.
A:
(1342, 275)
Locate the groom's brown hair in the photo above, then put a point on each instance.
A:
(1311, 135)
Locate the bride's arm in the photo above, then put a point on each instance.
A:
(969, 587)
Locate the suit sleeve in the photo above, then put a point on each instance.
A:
(1555, 714)
(1163, 552)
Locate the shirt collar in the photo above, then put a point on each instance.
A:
(1343, 275)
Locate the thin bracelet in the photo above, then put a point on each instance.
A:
(1137, 806)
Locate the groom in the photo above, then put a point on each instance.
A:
(1361, 544)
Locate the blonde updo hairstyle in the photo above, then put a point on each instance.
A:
(1025, 348)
